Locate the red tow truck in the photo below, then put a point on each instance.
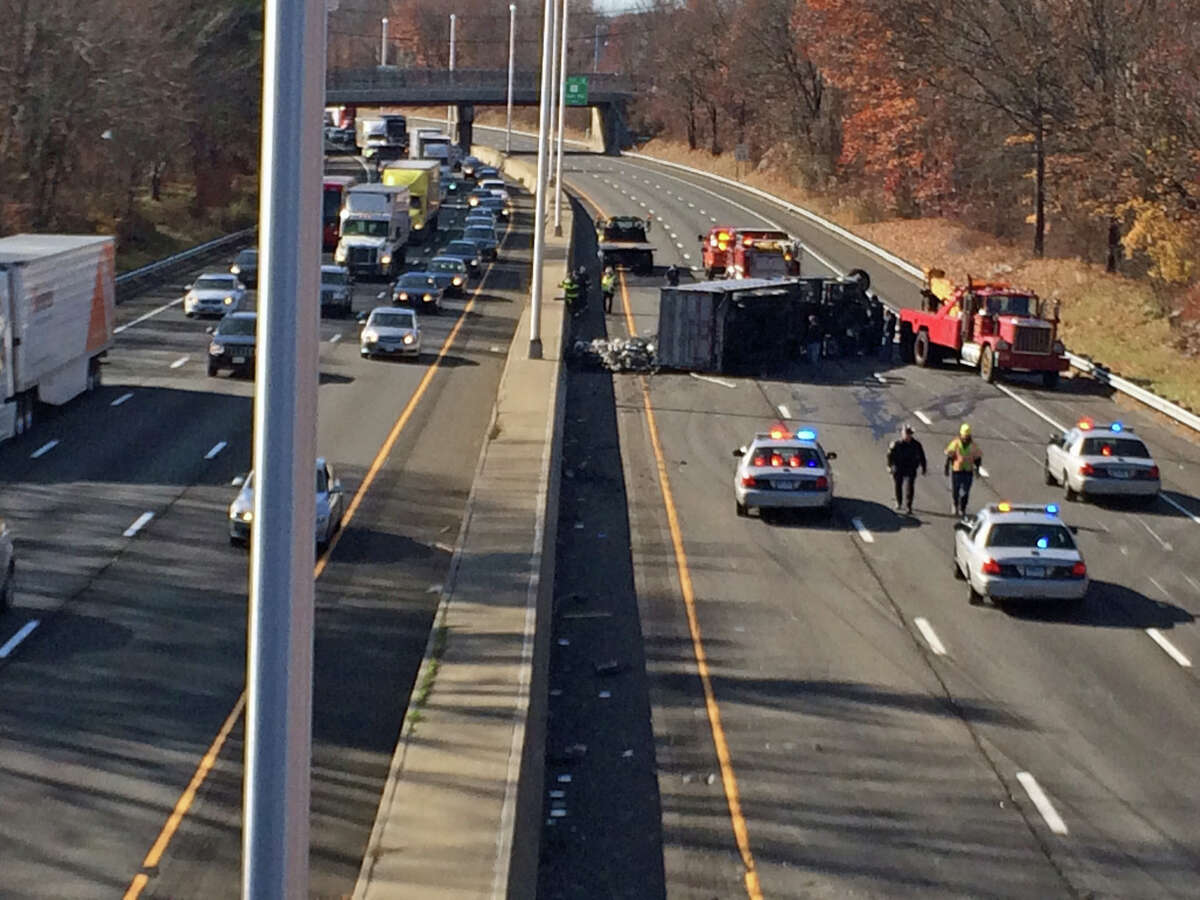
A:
(749, 253)
(988, 325)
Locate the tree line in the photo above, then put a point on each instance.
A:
(102, 101)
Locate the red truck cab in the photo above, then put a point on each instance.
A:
(735, 252)
(988, 325)
(335, 187)
(716, 250)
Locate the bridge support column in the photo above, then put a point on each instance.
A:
(609, 133)
(466, 126)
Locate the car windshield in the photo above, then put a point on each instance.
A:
(447, 265)
(414, 281)
(491, 202)
(1008, 305)
(398, 319)
(480, 231)
(335, 278)
(1095, 446)
(247, 258)
(236, 325)
(457, 247)
(493, 184)
(792, 457)
(365, 226)
(214, 283)
(1031, 535)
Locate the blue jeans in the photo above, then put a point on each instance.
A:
(960, 486)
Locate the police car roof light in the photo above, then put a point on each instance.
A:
(1052, 509)
(1085, 424)
(806, 434)
(777, 434)
(1004, 507)
(1116, 426)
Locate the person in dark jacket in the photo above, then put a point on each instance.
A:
(889, 335)
(904, 457)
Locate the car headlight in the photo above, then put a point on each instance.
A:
(386, 259)
(370, 335)
(473, 201)
(235, 269)
(458, 281)
(216, 349)
(427, 297)
(417, 226)
(228, 301)
(403, 295)
(241, 515)
(340, 253)
(248, 515)
(408, 338)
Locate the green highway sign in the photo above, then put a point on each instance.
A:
(576, 90)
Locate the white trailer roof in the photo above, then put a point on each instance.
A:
(21, 248)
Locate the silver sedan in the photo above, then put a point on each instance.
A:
(331, 507)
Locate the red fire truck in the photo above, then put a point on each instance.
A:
(749, 253)
(988, 325)
(331, 208)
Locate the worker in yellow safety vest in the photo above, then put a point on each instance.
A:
(963, 459)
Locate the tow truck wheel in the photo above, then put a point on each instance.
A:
(1050, 380)
(987, 365)
(922, 351)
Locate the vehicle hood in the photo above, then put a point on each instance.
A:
(214, 293)
(234, 340)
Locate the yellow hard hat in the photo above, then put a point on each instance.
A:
(964, 429)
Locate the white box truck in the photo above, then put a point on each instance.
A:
(57, 312)
(375, 229)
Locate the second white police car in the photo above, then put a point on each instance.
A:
(1093, 460)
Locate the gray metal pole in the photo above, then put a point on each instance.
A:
(549, 137)
(539, 206)
(450, 108)
(512, 34)
(596, 51)
(275, 836)
(383, 36)
(562, 99)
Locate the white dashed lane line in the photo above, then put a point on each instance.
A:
(13, 642)
(784, 411)
(138, 524)
(1168, 648)
(121, 399)
(931, 638)
(337, 337)
(216, 450)
(924, 418)
(1042, 802)
(179, 362)
(863, 531)
(44, 449)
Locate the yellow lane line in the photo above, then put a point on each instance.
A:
(183, 805)
(741, 832)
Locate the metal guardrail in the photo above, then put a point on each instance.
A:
(1083, 364)
(159, 266)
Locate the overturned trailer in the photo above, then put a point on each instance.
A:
(753, 324)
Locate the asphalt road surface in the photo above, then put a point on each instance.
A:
(830, 716)
(108, 706)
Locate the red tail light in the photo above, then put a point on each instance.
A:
(991, 567)
(822, 483)
(1079, 569)
(1087, 469)
(1153, 472)
(748, 481)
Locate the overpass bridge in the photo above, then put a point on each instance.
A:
(608, 95)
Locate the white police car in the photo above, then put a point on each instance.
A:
(783, 469)
(1008, 551)
(1093, 460)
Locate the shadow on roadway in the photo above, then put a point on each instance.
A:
(1107, 605)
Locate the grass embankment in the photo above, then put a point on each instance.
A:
(1115, 320)
(162, 228)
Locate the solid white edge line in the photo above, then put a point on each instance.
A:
(337, 337)
(863, 531)
(924, 418)
(1170, 649)
(931, 638)
(1042, 802)
(1029, 406)
(1187, 512)
(180, 362)
(121, 399)
(721, 381)
(44, 449)
(216, 449)
(784, 411)
(149, 315)
(25, 631)
(138, 524)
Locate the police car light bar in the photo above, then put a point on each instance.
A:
(1050, 509)
(806, 434)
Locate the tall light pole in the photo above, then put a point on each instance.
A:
(549, 136)
(512, 34)
(450, 108)
(383, 41)
(539, 207)
(596, 50)
(562, 100)
(278, 736)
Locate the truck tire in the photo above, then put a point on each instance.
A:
(19, 422)
(923, 352)
(1050, 380)
(30, 403)
(987, 365)
(906, 342)
(863, 279)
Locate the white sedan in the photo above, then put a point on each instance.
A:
(214, 294)
(331, 507)
(1092, 460)
(1014, 552)
(389, 331)
(781, 469)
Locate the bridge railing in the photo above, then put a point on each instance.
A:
(385, 77)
